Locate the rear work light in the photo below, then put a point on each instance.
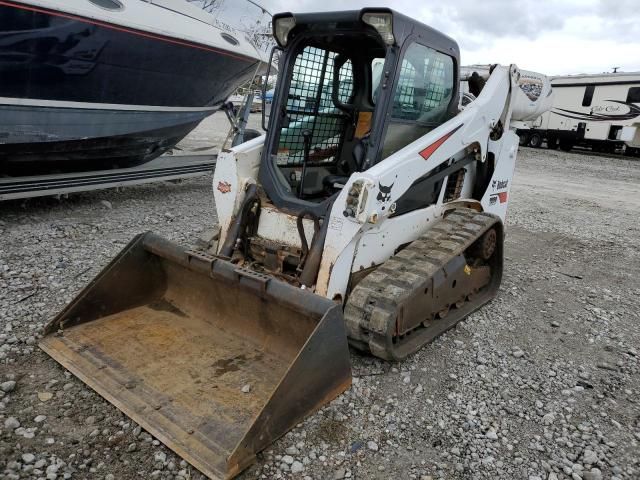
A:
(383, 23)
(282, 28)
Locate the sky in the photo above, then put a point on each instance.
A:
(551, 37)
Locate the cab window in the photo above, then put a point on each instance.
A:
(310, 107)
(377, 67)
(421, 96)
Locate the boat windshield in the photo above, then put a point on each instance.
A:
(234, 16)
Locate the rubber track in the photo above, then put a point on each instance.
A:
(372, 308)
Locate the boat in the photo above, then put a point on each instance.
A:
(90, 84)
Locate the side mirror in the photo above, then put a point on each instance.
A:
(264, 89)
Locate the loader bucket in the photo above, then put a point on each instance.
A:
(215, 361)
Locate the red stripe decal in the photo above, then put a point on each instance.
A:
(125, 29)
(430, 150)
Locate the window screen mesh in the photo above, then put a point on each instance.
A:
(310, 107)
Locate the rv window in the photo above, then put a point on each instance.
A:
(588, 95)
(634, 95)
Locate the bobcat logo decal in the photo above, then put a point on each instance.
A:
(499, 184)
(384, 195)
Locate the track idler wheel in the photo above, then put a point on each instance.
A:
(486, 245)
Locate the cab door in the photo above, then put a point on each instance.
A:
(423, 97)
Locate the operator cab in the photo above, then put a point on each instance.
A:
(340, 74)
(329, 105)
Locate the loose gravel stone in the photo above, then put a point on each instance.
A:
(11, 423)
(8, 386)
(371, 445)
(518, 353)
(590, 457)
(593, 474)
(339, 474)
(28, 458)
(491, 435)
(45, 396)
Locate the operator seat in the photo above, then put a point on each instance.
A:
(336, 182)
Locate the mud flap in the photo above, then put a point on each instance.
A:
(214, 361)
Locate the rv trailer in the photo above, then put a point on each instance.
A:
(601, 112)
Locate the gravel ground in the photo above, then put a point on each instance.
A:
(543, 383)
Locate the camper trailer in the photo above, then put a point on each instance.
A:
(597, 111)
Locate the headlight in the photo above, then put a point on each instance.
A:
(383, 23)
(281, 29)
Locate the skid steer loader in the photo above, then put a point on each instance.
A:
(370, 213)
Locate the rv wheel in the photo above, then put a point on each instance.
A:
(565, 146)
(535, 141)
(524, 138)
(632, 152)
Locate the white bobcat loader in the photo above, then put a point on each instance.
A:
(370, 214)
